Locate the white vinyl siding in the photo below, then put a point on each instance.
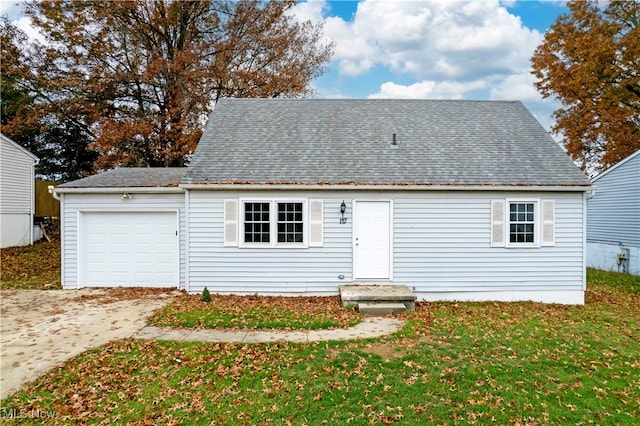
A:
(613, 218)
(441, 243)
(613, 214)
(74, 204)
(16, 194)
(283, 270)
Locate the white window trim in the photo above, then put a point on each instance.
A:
(536, 222)
(273, 223)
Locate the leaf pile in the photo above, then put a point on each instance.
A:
(255, 312)
(99, 296)
(35, 267)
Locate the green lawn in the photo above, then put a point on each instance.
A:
(252, 312)
(453, 363)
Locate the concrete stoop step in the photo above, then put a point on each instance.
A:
(378, 299)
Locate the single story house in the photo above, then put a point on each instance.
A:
(17, 194)
(458, 200)
(613, 218)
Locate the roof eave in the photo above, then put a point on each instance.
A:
(22, 149)
(120, 189)
(396, 187)
(614, 167)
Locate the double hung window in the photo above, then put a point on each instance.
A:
(257, 224)
(519, 223)
(522, 221)
(273, 223)
(290, 223)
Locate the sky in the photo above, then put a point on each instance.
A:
(428, 49)
(434, 49)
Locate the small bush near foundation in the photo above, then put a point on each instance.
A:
(206, 296)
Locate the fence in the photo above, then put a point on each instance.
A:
(46, 205)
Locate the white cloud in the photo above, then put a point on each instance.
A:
(356, 57)
(450, 49)
(11, 9)
(515, 86)
(434, 40)
(14, 11)
(428, 89)
(308, 11)
(24, 23)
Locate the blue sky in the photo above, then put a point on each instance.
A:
(453, 49)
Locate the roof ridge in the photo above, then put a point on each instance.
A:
(494, 101)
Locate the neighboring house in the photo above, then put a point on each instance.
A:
(464, 200)
(613, 218)
(17, 195)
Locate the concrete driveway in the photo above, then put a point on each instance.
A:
(42, 329)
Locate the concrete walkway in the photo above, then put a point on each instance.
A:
(370, 327)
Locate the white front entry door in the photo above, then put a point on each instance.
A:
(372, 240)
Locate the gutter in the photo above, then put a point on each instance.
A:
(118, 190)
(53, 192)
(315, 187)
(355, 187)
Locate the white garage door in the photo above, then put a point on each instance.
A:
(128, 249)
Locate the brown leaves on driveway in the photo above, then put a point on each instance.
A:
(112, 295)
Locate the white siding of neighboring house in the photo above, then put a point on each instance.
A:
(16, 194)
(613, 217)
(71, 204)
(441, 249)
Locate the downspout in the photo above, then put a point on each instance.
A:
(585, 197)
(59, 197)
(32, 193)
(187, 220)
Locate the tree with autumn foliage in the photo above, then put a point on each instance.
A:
(58, 140)
(589, 60)
(141, 77)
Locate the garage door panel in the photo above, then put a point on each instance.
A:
(129, 249)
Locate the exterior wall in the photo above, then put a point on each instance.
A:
(72, 204)
(16, 195)
(613, 216)
(290, 271)
(441, 245)
(605, 256)
(15, 229)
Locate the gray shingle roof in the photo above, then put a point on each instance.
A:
(131, 177)
(323, 141)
